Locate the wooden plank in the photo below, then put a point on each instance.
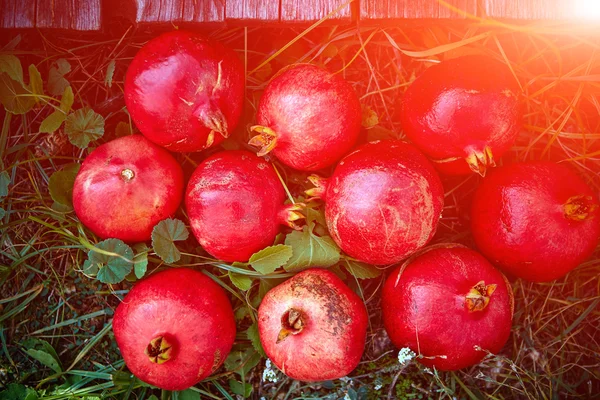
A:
(252, 10)
(17, 13)
(313, 10)
(528, 9)
(149, 11)
(86, 15)
(413, 9)
(81, 15)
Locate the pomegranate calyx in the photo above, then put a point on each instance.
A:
(291, 213)
(292, 323)
(127, 174)
(159, 350)
(579, 208)
(480, 160)
(479, 296)
(212, 117)
(318, 192)
(266, 139)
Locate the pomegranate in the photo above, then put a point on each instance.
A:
(235, 205)
(184, 91)
(382, 203)
(313, 327)
(308, 117)
(125, 187)
(174, 328)
(449, 305)
(463, 113)
(536, 221)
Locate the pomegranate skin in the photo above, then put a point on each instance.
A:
(234, 201)
(334, 322)
(182, 86)
(184, 307)
(314, 115)
(424, 308)
(519, 220)
(383, 202)
(456, 109)
(125, 187)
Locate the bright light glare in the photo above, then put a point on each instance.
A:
(587, 9)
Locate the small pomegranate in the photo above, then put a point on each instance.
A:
(174, 328)
(313, 327)
(184, 91)
(463, 113)
(308, 117)
(382, 203)
(449, 305)
(235, 205)
(536, 221)
(125, 187)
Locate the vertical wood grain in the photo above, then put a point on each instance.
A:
(165, 11)
(413, 9)
(54, 14)
(87, 15)
(252, 10)
(313, 10)
(527, 9)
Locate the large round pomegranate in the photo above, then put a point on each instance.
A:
(174, 328)
(307, 117)
(125, 187)
(184, 91)
(313, 327)
(536, 221)
(382, 203)
(235, 205)
(463, 113)
(449, 305)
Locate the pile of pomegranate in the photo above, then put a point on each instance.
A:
(449, 304)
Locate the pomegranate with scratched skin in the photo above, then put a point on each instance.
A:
(536, 221)
(382, 203)
(125, 187)
(449, 305)
(174, 328)
(313, 327)
(463, 113)
(307, 117)
(185, 91)
(235, 205)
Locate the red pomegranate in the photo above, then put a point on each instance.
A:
(382, 203)
(174, 328)
(463, 113)
(125, 187)
(235, 205)
(184, 91)
(448, 305)
(308, 117)
(313, 327)
(536, 221)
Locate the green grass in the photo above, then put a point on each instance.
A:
(554, 350)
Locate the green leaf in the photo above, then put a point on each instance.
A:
(110, 71)
(43, 352)
(242, 361)
(35, 81)
(109, 268)
(56, 77)
(153, 397)
(14, 96)
(164, 236)
(140, 261)
(239, 388)
(252, 334)
(266, 285)
(61, 184)
(188, 394)
(84, 126)
(361, 270)
(2, 213)
(242, 282)
(11, 65)
(67, 99)
(4, 182)
(15, 391)
(123, 129)
(270, 258)
(52, 122)
(310, 250)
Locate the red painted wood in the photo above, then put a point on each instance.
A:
(87, 15)
(81, 15)
(253, 10)
(400, 9)
(17, 13)
(149, 11)
(313, 10)
(528, 9)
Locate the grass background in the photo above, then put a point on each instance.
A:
(554, 350)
